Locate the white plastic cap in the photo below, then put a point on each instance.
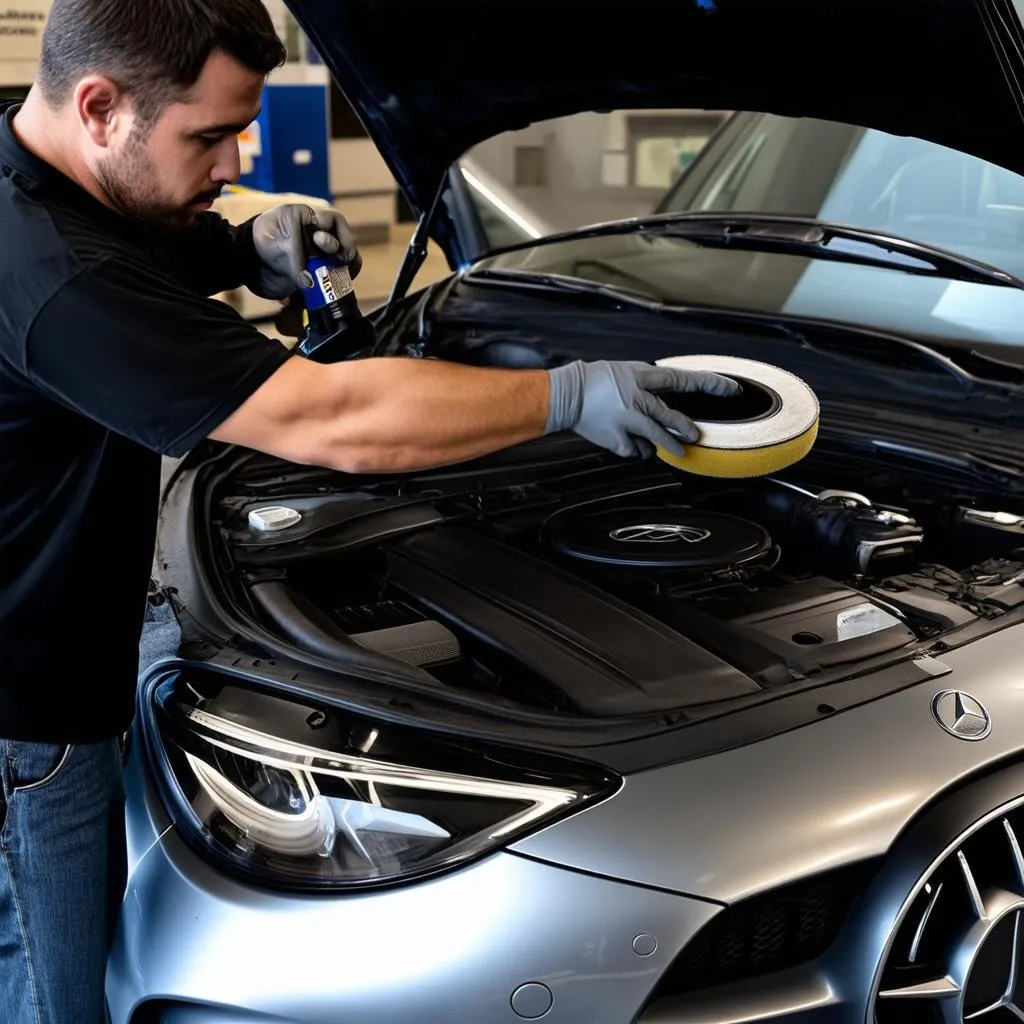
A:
(273, 518)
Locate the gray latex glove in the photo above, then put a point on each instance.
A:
(283, 236)
(611, 404)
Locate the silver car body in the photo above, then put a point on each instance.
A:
(568, 908)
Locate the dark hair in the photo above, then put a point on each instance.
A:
(153, 49)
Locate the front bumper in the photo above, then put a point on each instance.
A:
(569, 910)
(196, 947)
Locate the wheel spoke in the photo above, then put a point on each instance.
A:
(935, 988)
(978, 1014)
(1018, 857)
(919, 932)
(973, 893)
(1011, 985)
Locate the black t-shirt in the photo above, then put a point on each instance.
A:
(111, 355)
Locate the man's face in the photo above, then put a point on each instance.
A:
(170, 171)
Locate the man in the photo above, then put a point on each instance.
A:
(112, 354)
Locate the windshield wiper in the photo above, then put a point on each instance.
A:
(805, 236)
(539, 280)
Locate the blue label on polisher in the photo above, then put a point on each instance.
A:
(327, 281)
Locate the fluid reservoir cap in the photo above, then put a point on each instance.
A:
(272, 518)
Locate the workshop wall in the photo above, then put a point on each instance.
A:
(358, 180)
(21, 33)
(591, 167)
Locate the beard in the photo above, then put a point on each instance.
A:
(129, 181)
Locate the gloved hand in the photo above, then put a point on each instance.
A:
(282, 239)
(611, 404)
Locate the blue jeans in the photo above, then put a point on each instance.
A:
(62, 877)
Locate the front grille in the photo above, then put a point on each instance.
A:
(958, 949)
(767, 933)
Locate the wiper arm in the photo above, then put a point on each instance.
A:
(561, 283)
(822, 240)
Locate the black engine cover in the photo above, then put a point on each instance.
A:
(606, 657)
(661, 537)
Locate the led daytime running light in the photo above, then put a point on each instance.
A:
(289, 757)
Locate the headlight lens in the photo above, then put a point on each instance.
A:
(298, 796)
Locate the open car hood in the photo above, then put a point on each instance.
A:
(431, 78)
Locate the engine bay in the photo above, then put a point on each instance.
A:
(556, 578)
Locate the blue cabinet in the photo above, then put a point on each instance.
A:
(293, 130)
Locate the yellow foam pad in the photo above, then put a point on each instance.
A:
(758, 447)
(743, 463)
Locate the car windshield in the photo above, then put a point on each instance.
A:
(593, 168)
(834, 172)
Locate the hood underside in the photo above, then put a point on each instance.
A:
(432, 78)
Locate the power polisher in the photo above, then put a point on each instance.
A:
(336, 328)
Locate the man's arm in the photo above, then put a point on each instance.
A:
(154, 362)
(392, 415)
(389, 414)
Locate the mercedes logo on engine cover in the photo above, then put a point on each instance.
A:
(659, 533)
(961, 715)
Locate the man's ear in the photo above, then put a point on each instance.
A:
(100, 106)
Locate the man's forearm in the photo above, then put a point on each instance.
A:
(394, 415)
(389, 414)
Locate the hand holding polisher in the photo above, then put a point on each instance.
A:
(312, 248)
(336, 328)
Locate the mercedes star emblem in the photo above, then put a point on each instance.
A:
(961, 715)
(659, 533)
(994, 991)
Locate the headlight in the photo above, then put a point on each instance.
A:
(299, 796)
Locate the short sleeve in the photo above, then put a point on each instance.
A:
(146, 357)
(211, 255)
